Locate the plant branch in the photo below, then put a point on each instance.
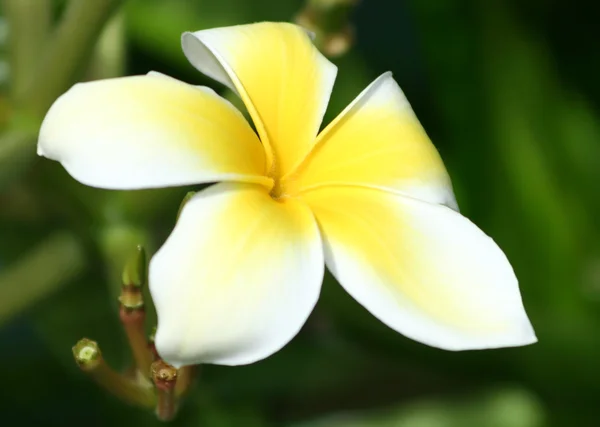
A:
(69, 49)
(89, 358)
(29, 22)
(108, 59)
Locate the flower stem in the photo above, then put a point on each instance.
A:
(152, 346)
(132, 312)
(165, 380)
(108, 59)
(89, 358)
(133, 324)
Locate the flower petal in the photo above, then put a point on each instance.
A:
(150, 131)
(237, 278)
(281, 77)
(422, 269)
(377, 141)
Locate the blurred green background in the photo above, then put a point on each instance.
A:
(510, 95)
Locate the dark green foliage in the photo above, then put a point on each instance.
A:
(509, 93)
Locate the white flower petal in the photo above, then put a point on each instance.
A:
(150, 131)
(237, 278)
(421, 268)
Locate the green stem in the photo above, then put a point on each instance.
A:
(70, 48)
(47, 268)
(108, 59)
(89, 358)
(116, 241)
(29, 22)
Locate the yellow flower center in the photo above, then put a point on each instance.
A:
(277, 192)
(283, 186)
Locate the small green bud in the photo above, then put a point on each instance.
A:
(87, 354)
(134, 273)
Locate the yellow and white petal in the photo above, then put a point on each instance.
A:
(237, 278)
(377, 141)
(281, 77)
(422, 269)
(150, 131)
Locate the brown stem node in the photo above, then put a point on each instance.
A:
(165, 380)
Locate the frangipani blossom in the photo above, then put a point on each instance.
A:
(368, 197)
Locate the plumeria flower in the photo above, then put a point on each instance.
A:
(368, 196)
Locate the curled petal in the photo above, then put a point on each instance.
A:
(281, 77)
(150, 131)
(421, 268)
(237, 278)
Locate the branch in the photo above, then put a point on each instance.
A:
(29, 22)
(68, 51)
(71, 46)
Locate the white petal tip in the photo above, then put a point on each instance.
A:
(522, 335)
(189, 40)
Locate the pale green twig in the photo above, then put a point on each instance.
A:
(29, 22)
(89, 358)
(70, 46)
(108, 59)
(67, 51)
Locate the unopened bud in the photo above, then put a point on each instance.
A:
(87, 354)
(132, 312)
(134, 273)
(89, 358)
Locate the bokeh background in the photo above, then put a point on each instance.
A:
(509, 93)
